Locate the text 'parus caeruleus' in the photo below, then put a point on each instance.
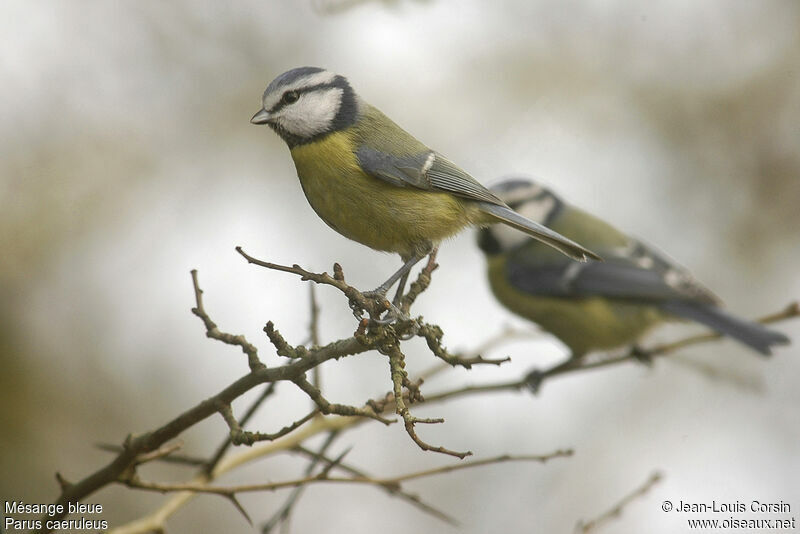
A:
(597, 306)
(372, 181)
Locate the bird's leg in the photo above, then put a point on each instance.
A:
(400, 274)
(400, 288)
(395, 312)
(641, 355)
(535, 378)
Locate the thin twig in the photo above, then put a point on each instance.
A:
(324, 476)
(313, 329)
(244, 437)
(399, 379)
(358, 301)
(582, 527)
(433, 336)
(178, 459)
(398, 491)
(150, 441)
(266, 392)
(214, 333)
(534, 380)
(283, 514)
(327, 407)
(421, 283)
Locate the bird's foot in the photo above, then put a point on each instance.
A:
(641, 355)
(394, 313)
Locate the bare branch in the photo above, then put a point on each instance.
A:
(411, 498)
(160, 453)
(588, 526)
(433, 336)
(282, 515)
(313, 324)
(324, 476)
(313, 331)
(358, 301)
(338, 409)
(269, 389)
(399, 379)
(370, 335)
(214, 333)
(179, 459)
(281, 345)
(243, 437)
(420, 284)
(534, 380)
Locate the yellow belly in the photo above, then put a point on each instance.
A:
(584, 325)
(368, 210)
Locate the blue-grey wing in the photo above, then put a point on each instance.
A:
(425, 170)
(635, 273)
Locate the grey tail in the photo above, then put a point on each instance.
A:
(537, 231)
(754, 335)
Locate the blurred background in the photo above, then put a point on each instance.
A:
(127, 159)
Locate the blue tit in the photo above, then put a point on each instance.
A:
(598, 306)
(375, 183)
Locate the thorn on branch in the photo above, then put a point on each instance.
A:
(180, 459)
(63, 483)
(239, 507)
(159, 453)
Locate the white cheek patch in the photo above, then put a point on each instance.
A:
(537, 210)
(508, 237)
(318, 78)
(312, 114)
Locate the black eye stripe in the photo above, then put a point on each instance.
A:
(300, 92)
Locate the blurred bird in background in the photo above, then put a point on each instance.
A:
(375, 183)
(597, 306)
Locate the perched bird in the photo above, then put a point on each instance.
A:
(372, 181)
(597, 306)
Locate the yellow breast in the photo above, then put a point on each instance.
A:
(369, 210)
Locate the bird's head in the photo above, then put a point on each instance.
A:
(529, 199)
(307, 103)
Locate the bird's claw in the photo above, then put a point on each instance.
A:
(641, 355)
(394, 315)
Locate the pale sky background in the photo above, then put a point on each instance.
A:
(127, 159)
